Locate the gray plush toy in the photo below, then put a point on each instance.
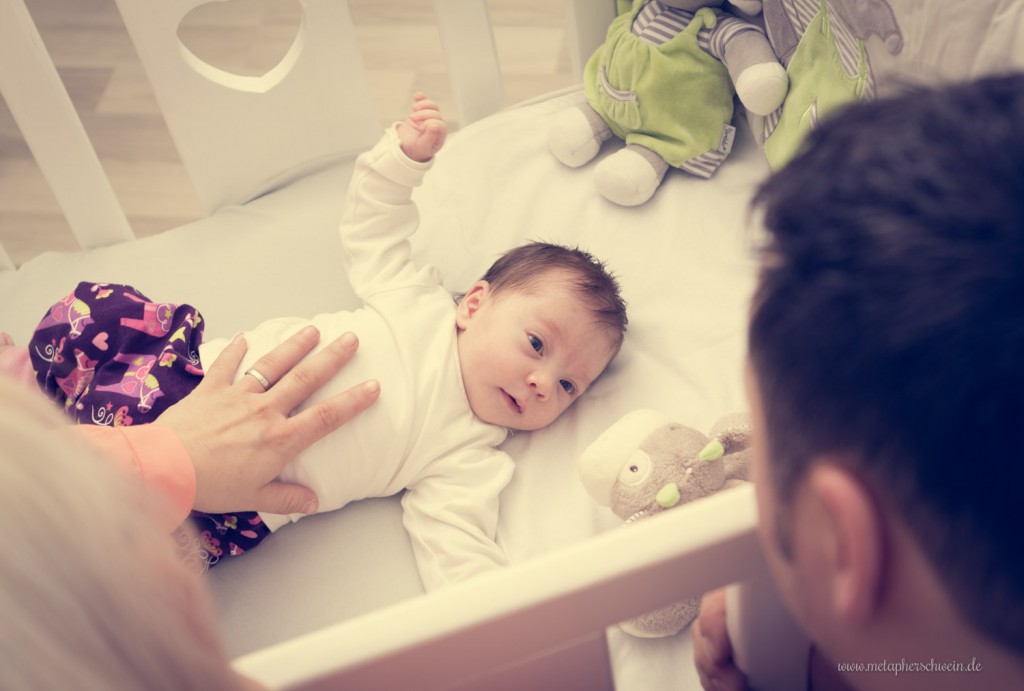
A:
(645, 464)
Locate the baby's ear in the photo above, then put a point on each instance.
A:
(471, 302)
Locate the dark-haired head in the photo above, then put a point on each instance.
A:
(888, 325)
(529, 266)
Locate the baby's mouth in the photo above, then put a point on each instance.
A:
(512, 402)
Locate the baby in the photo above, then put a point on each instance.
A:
(517, 349)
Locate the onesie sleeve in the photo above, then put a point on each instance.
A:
(380, 218)
(451, 514)
(152, 454)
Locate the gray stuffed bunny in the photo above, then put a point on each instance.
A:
(645, 464)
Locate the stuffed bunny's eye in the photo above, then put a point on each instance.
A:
(636, 469)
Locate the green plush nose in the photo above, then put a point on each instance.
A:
(668, 496)
(712, 451)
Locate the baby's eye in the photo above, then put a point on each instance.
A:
(536, 344)
(569, 387)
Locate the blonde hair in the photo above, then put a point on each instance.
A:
(92, 594)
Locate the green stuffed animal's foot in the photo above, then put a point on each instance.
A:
(762, 88)
(630, 176)
(576, 135)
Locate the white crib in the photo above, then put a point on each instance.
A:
(334, 601)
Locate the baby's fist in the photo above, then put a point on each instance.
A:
(422, 134)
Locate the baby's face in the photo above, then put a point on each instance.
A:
(527, 356)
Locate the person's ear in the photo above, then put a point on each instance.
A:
(850, 535)
(471, 302)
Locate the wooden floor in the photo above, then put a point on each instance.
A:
(95, 57)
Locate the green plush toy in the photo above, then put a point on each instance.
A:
(645, 464)
(827, 58)
(664, 82)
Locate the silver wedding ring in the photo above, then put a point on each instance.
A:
(259, 377)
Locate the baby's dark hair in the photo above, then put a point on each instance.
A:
(522, 267)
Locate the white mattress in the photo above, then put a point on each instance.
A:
(686, 269)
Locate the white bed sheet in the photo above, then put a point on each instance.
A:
(686, 268)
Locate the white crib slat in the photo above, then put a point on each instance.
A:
(242, 136)
(472, 57)
(5, 260)
(50, 125)
(588, 25)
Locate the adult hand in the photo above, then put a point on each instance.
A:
(240, 437)
(712, 650)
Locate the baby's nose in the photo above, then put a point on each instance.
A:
(540, 382)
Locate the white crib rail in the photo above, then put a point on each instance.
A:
(532, 624)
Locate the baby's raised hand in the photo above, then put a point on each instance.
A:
(422, 134)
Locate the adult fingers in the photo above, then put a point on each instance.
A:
(710, 628)
(285, 498)
(725, 678)
(321, 419)
(222, 370)
(712, 650)
(300, 381)
(278, 362)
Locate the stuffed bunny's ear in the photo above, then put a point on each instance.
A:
(733, 432)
